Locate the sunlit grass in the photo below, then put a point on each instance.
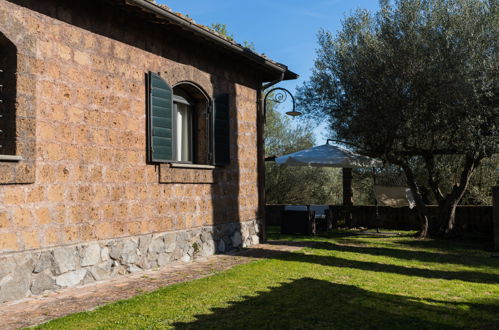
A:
(345, 281)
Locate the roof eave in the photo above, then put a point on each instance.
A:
(258, 59)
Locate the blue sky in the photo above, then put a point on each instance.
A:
(285, 30)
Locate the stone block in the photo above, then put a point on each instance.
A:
(64, 260)
(90, 255)
(8, 265)
(144, 242)
(8, 242)
(31, 240)
(4, 220)
(102, 271)
(89, 278)
(157, 246)
(208, 248)
(22, 217)
(170, 242)
(236, 239)
(25, 262)
(14, 286)
(71, 279)
(221, 246)
(44, 262)
(133, 269)
(42, 282)
(104, 253)
(125, 252)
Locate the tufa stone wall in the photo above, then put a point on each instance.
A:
(83, 204)
(33, 273)
(81, 83)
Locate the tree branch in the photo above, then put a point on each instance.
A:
(434, 178)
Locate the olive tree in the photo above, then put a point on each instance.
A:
(415, 83)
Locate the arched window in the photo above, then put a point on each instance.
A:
(185, 125)
(8, 66)
(192, 118)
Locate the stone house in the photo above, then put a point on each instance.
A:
(131, 137)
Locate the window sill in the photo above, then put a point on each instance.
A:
(194, 166)
(186, 173)
(10, 158)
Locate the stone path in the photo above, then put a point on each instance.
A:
(36, 310)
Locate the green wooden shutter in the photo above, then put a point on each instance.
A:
(160, 119)
(221, 130)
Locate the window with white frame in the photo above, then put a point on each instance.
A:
(185, 125)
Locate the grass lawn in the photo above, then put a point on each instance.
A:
(346, 281)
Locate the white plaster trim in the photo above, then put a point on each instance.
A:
(10, 158)
(196, 166)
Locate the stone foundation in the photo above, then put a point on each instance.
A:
(36, 272)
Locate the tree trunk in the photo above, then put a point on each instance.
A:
(447, 209)
(420, 204)
(447, 218)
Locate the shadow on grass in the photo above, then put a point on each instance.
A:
(465, 276)
(479, 244)
(436, 257)
(316, 304)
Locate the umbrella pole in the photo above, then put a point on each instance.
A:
(347, 196)
(376, 201)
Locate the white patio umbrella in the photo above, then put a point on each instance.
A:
(328, 156)
(332, 156)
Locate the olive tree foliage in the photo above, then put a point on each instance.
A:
(416, 84)
(295, 185)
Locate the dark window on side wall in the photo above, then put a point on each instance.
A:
(8, 67)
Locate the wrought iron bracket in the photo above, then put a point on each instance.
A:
(279, 95)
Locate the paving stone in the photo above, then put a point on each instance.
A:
(163, 259)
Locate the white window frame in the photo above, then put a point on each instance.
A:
(177, 99)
